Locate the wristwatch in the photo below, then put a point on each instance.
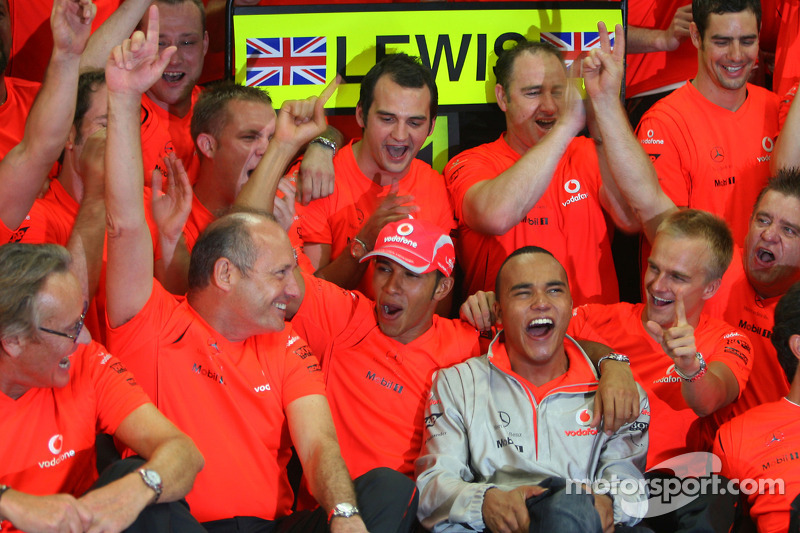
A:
(344, 510)
(614, 357)
(697, 375)
(152, 480)
(324, 141)
(358, 248)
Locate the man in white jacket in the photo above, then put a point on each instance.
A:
(507, 443)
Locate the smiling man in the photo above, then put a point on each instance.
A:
(378, 178)
(484, 465)
(221, 362)
(58, 388)
(538, 184)
(711, 141)
(690, 364)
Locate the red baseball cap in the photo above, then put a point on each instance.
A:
(417, 245)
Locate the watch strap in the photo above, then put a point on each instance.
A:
(324, 141)
(697, 375)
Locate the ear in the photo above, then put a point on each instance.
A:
(498, 313)
(207, 144)
(711, 288)
(443, 289)
(205, 43)
(225, 274)
(360, 118)
(73, 133)
(500, 94)
(694, 33)
(433, 125)
(14, 345)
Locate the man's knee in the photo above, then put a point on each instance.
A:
(564, 512)
(386, 498)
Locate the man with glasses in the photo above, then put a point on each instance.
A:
(59, 388)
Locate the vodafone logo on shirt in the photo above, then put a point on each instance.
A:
(573, 187)
(583, 417)
(55, 445)
(669, 376)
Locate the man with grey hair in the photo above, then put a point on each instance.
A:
(58, 389)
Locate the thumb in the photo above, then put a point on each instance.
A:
(655, 329)
(533, 490)
(597, 415)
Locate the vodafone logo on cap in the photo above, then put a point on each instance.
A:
(583, 417)
(405, 229)
(55, 444)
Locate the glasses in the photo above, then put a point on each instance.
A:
(77, 327)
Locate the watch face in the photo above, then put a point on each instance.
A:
(345, 510)
(153, 477)
(357, 249)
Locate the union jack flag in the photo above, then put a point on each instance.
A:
(286, 61)
(574, 45)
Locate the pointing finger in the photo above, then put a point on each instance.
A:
(330, 89)
(680, 310)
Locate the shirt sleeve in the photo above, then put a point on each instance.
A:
(302, 374)
(136, 342)
(462, 173)
(448, 491)
(118, 394)
(622, 460)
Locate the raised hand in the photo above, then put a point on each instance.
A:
(299, 121)
(678, 340)
(71, 23)
(391, 209)
(603, 68)
(679, 27)
(171, 207)
(136, 64)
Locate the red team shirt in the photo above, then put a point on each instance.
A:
(50, 432)
(737, 303)
(674, 428)
(14, 112)
(708, 157)
(567, 220)
(764, 444)
(162, 133)
(653, 70)
(377, 387)
(50, 220)
(335, 220)
(229, 397)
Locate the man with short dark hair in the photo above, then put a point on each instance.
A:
(378, 178)
(711, 140)
(485, 466)
(57, 389)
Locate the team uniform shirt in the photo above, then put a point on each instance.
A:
(787, 68)
(50, 432)
(377, 386)
(708, 157)
(486, 426)
(654, 70)
(336, 219)
(32, 39)
(199, 219)
(764, 444)
(737, 303)
(14, 112)
(674, 426)
(567, 220)
(163, 133)
(786, 104)
(50, 220)
(229, 397)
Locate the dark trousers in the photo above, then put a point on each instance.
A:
(387, 501)
(171, 517)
